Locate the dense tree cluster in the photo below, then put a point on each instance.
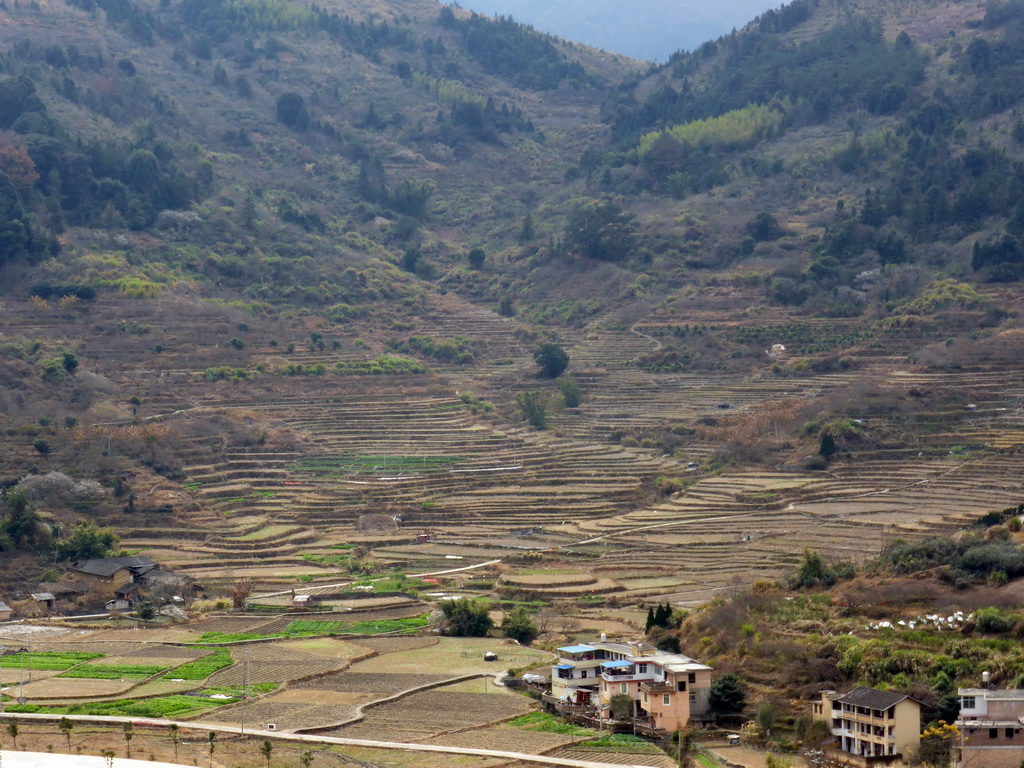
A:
(466, 618)
(49, 178)
(970, 560)
(600, 230)
(660, 618)
(506, 48)
(552, 359)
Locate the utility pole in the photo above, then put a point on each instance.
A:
(21, 685)
(245, 686)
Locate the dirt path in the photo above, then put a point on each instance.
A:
(657, 344)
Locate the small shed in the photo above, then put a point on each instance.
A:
(490, 656)
(5, 611)
(422, 538)
(301, 601)
(46, 598)
(117, 604)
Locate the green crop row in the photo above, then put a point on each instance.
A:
(545, 723)
(319, 627)
(302, 627)
(114, 671)
(161, 706)
(233, 637)
(200, 669)
(47, 661)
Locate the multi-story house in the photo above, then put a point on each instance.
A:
(667, 689)
(991, 729)
(871, 726)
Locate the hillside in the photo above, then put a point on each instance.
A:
(275, 273)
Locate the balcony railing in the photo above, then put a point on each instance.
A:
(656, 687)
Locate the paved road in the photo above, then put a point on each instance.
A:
(310, 739)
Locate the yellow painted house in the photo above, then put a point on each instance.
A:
(871, 726)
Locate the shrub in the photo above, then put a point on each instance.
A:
(572, 395)
(815, 571)
(534, 407)
(993, 621)
(519, 626)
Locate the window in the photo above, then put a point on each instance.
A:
(1009, 733)
(666, 699)
(892, 749)
(693, 698)
(692, 677)
(993, 733)
(967, 702)
(681, 685)
(623, 687)
(583, 673)
(641, 669)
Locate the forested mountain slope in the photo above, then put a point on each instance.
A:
(252, 251)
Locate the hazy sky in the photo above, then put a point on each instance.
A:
(643, 29)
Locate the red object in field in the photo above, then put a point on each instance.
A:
(293, 482)
(431, 581)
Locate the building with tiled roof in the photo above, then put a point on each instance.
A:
(870, 725)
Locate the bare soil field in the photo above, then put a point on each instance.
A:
(453, 656)
(439, 710)
(395, 644)
(379, 683)
(582, 752)
(326, 647)
(266, 663)
(78, 688)
(504, 737)
(289, 710)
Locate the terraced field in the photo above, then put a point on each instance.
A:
(337, 450)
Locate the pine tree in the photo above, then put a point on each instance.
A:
(527, 233)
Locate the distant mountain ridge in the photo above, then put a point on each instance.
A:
(650, 30)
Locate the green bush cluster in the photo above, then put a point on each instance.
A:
(47, 660)
(457, 349)
(385, 365)
(200, 669)
(114, 671)
(970, 560)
